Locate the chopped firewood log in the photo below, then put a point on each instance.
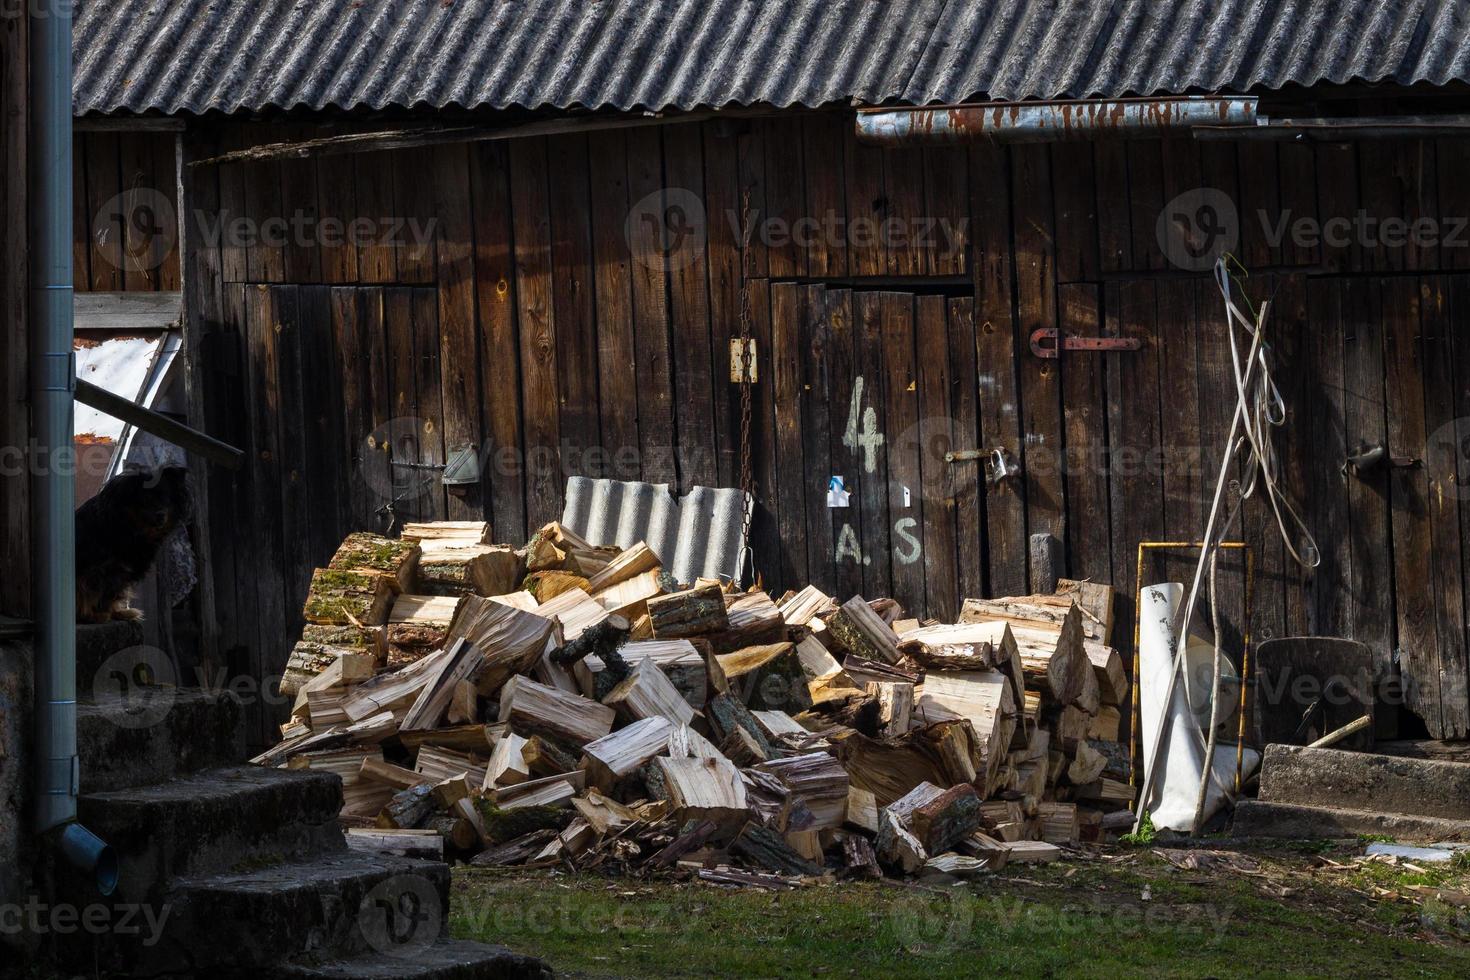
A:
(463, 663)
(361, 551)
(373, 729)
(464, 705)
(556, 546)
(887, 609)
(774, 804)
(553, 791)
(630, 597)
(648, 693)
(472, 532)
(765, 847)
(862, 809)
(754, 620)
(686, 743)
(553, 583)
(982, 698)
(548, 757)
(703, 789)
(1112, 677)
(838, 710)
(456, 832)
(958, 647)
(693, 612)
(448, 792)
(387, 774)
(1095, 599)
(955, 866)
(1106, 791)
(512, 641)
(507, 764)
(536, 709)
(606, 815)
(514, 852)
(1052, 653)
(784, 730)
(892, 767)
(472, 739)
(897, 845)
(863, 672)
(408, 808)
(346, 763)
(325, 708)
(863, 633)
(1119, 764)
(1045, 612)
(577, 837)
(350, 667)
(425, 844)
(348, 598)
(815, 659)
(437, 765)
(418, 624)
(895, 705)
(1068, 726)
(629, 564)
(818, 779)
(678, 659)
(811, 603)
(576, 611)
(1056, 823)
(613, 757)
(944, 821)
(599, 639)
(320, 646)
(1106, 725)
(364, 801)
(763, 677)
(456, 567)
(742, 748)
(728, 716)
(396, 691)
(690, 840)
(1031, 852)
(859, 860)
(1086, 765)
(332, 738)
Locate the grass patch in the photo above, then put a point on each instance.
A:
(1079, 920)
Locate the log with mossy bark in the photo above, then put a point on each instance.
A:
(457, 568)
(753, 620)
(692, 612)
(863, 633)
(320, 646)
(767, 677)
(346, 598)
(362, 551)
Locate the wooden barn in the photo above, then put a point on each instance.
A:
(385, 258)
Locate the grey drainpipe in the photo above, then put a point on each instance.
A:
(53, 483)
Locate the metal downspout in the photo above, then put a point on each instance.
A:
(53, 479)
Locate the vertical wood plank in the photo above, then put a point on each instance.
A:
(865, 429)
(1084, 417)
(946, 211)
(1146, 200)
(613, 289)
(297, 517)
(722, 205)
(998, 372)
(265, 256)
(573, 297)
(1076, 227)
(142, 229)
(785, 197)
(765, 525)
(689, 314)
(300, 206)
(1185, 467)
(787, 312)
(967, 479)
(1452, 163)
(166, 173)
(905, 475)
(935, 437)
(338, 205)
(844, 452)
(429, 407)
(867, 206)
(411, 222)
(1299, 170)
(503, 480)
(822, 151)
(1114, 212)
(657, 436)
(377, 259)
(108, 234)
(816, 399)
(1260, 204)
(1381, 183)
(459, 341)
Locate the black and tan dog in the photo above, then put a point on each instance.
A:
(119, 532)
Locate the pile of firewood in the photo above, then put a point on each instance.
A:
(567, 704)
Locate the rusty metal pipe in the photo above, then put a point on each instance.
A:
(1046, 122)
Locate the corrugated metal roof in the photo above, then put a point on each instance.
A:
(698, 535)
(194, 56)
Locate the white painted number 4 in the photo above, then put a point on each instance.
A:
(862, 429)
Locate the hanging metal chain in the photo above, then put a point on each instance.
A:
(747, 355)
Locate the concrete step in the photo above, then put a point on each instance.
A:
(1264, 818)
(341, 905)
(214, 820)
(1366, 781)
(156, 733)
(447, 959)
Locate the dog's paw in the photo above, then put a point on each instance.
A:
(127, 614)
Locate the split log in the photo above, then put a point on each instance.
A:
(763, 677)
(425, 844)
(765, 847)
(685, 668)
(464, 662)
(320, 645)
(508, 764)
(554, 791)
(630, 563)
(815, 659)
(754, 620)
(1086, 765)
(548, 757)
(418, 625)
(599, 639)
(693, 612)
(457, 568)
(819, 780)
(647, 693)
(395, 692)
(613, 757)
(362, 551)
(895, 705)
(556, 546)
(896, 845)
(942, 822)
(892, 767)
(630, 598)
(863, 633)
(387, 774)
(575, 610)
(1112, 677)
(456, 832)
(862, 809)
(464, 704)
(730, 718)
(408, 808)
(981, 698)
(1031, 852)
(533, 708)
(1095, 599)
(802, 608)
(348, 598)
(965, 646)
(1056, 823)
(470, 532)
(436, 765)
(472, 739)
(373, 729)
(703, 789)
(1045, 612)
(859, 860)
(511, 641)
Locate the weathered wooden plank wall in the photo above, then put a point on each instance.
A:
(15, 589)
(124, 235)
(567, 304)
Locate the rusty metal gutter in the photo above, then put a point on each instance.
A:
(1046, 122)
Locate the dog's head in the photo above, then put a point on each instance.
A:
(152, 501)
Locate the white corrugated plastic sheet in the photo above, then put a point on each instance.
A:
(699, 535)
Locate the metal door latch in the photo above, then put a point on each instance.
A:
(998, 463)
(1046, 342)
(1370, 458)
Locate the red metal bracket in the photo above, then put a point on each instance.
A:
(1041, 348)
